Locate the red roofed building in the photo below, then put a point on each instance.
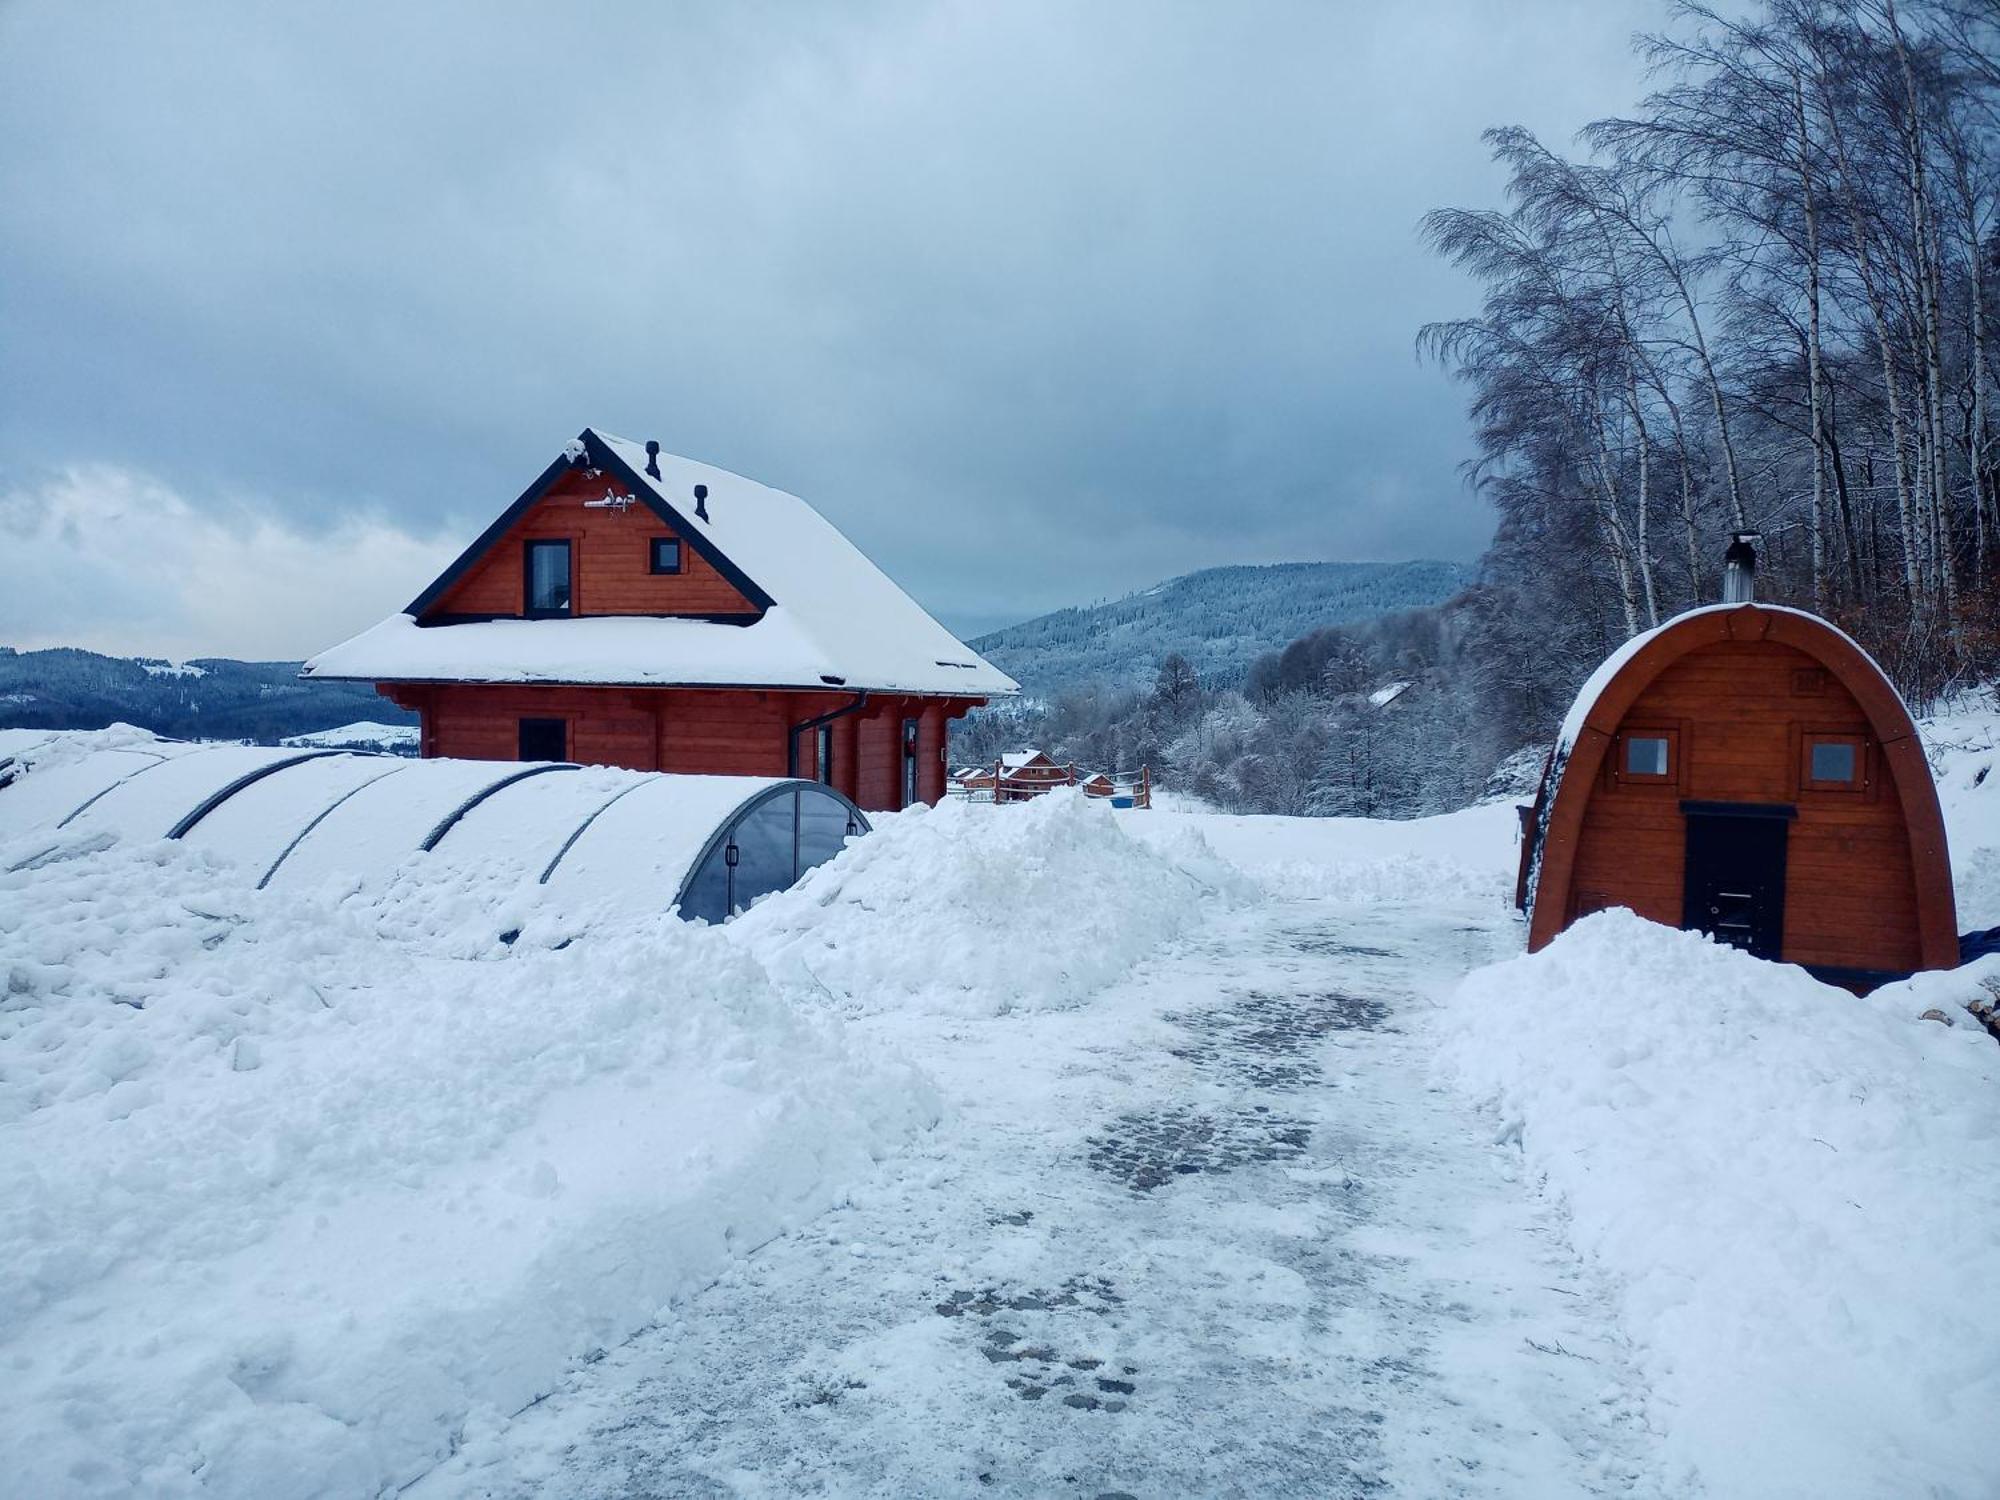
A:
(635, 609)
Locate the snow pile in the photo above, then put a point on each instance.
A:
(42, 749)
(286, 1200)
(987, 909)
(1795, 1192)
(1464, 856)
(1963, 744)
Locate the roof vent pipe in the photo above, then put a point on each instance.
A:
(701, 502)
(653, 458)
(1739, 568)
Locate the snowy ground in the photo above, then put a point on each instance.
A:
(1034, 1150)
(1212, 1233)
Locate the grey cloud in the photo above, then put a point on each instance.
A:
(1040, 302)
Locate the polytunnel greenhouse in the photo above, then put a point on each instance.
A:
(297, 818)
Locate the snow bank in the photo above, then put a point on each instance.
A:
(1796, 1192)
(987, 909)
(1467, 855)
(1963, 744)
(286, 1199)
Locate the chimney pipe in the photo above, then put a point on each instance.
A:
(701, 502)
(1739, 568)
(653, 457)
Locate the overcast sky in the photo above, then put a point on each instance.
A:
(1040, 303)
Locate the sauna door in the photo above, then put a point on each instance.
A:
(1736, 875)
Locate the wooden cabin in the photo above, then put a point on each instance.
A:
(1029, 773)
(1747, 771)
(1097, 784)
(635, 609)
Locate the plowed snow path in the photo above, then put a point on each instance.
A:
(1212, 1233)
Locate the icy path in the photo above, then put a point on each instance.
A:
(1211, 1233)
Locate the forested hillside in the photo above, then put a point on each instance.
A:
(212, 698)
(1765, 301)
(1220, 619)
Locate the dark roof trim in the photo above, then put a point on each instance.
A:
(485, 618)
(486, 539)
(599, 455)
(692, 687)
(602, 457)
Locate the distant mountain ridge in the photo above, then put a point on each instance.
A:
(1221, 619)
(212, 698)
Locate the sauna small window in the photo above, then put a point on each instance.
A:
(1646, 757)
(1835, 762)
(664, 554)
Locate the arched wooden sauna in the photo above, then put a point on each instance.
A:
(1746, 770)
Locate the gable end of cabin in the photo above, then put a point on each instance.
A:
(1750, 773)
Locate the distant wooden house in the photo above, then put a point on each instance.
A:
(1097, 784)
(977, 781)
(635, 609)
(1749, 772)
(1029, 773)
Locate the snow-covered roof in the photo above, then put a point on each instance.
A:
(1595, 685)
(1387, 694)
(836, 620)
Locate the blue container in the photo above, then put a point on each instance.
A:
(1121, 801)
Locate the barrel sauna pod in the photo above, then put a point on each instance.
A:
(1747, 771)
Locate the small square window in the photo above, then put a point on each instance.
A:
(544, 739)
(1646, 755)
(664, 554)
(1833, 762)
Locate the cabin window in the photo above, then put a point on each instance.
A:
(823, 768)
(664, 554)
(1835, 762)
(548, 580)
(544, 739)
(909, 762)
(1647, 757)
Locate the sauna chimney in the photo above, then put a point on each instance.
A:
(1739, 568)
(701, 502)
(653, 457)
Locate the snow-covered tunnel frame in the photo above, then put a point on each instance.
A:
(451, 819)
(723, 841)
(322, 815)
(744, 850)
(104, 791)
(221, 795)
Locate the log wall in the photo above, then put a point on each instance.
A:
(721, 731)
(610, 559)
(1740, 712)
